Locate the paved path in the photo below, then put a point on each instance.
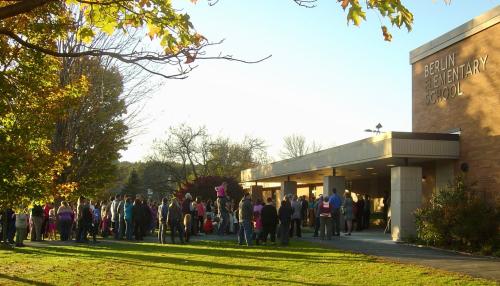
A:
(377, 244)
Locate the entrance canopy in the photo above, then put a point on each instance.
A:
(362, 159)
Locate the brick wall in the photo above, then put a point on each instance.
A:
(476, 111)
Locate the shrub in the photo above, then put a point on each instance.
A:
(459, 217)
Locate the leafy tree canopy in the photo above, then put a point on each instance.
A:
(159, 19)
(27, 164)
(393, 10)
(179, 42)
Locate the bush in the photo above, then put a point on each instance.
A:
(204, 187)
(459, 217)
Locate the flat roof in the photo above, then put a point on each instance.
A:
(474, 26)
(385, 146)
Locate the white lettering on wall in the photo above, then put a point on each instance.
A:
(443, 77)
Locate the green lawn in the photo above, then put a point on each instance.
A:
(208, 263)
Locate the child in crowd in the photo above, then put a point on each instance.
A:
(52, 224)
(21, 227)
(216, 222)
(208, 227)
(257, 225)
(105, 218)
(235, 220)
(187, 227)
(221, 190)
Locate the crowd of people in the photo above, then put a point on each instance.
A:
(124, 217)
(329, 210)
(133, 218)
(263, 221)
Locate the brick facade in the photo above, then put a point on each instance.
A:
(476, 111)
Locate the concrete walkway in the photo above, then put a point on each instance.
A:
(379, 244)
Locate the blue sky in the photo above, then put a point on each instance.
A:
(326, 80)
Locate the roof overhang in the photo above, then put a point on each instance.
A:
(390, 148)
(474, 26)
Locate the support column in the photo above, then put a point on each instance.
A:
(279, 198)
(311, 194)
(330, 182)
(406, 197)
(337, 182)
(256, 192)
(288, 188)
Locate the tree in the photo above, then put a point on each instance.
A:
(91, 127)
(27, 116)
(393, 10)
(184, 150)
(296, 146)
(179, 43)
(227, 158)
(134, 185)
(178, 39)
(190, 152)
(122, 173)
(156, 176)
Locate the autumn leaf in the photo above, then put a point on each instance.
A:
(109, 27)
(153, 31)
(356, 14)
(386, 34)
(143, 3)
(344, 3)
(189, 58)
(86, 35)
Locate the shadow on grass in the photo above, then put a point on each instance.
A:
(304, 251)
(239, 276)
(23, 280)
(213, 250)
(127, 256)
(180, 257)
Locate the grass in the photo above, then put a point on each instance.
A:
(208, 263)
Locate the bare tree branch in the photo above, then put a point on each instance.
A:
(295, 146)
(306, 3)
(21, 7)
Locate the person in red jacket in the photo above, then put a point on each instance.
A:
(208, 227)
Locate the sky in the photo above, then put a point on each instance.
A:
(326, 80)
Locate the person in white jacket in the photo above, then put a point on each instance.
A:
(21, 227)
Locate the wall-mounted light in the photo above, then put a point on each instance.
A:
(464, 167)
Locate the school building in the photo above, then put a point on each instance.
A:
(455, 130)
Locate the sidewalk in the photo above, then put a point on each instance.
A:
(379, 244)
